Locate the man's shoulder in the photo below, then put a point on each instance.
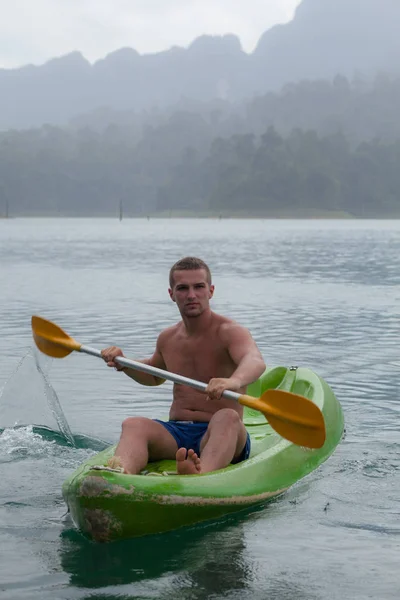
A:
(228, 327)
(169, 332)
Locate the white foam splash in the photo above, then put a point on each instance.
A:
(23, 441)
(28, 398)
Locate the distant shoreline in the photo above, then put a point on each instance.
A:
(289, 215)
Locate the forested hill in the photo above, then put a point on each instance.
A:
(213, 161)
(325, 38)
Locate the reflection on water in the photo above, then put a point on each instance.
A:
(318, 294)
(193, 552)
(185, 564)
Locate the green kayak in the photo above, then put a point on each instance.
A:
(110, 506)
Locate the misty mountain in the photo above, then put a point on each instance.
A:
(325, 38)
(331, 37)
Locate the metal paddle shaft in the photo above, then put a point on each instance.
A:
(139, 366)
(273, 411)
(294, 417)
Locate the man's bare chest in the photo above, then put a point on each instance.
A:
(199, 359)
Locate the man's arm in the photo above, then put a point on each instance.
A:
(248, 360)
(245, 354)
(109, 354)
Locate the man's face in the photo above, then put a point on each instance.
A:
(191, 292)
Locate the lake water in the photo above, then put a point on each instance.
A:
(323, 294)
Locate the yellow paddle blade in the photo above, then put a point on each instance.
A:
(51, 339)
(294, 417)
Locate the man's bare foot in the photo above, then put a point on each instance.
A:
(115, 463)
(187, 465)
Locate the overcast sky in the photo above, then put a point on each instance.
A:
(32, 31)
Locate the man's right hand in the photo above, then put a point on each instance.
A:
(109, 354)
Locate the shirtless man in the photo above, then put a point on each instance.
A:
(205, 431)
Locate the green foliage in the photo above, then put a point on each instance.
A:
(209, 161)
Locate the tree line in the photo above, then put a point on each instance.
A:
(212, 160)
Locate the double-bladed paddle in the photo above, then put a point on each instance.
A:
(294, 417)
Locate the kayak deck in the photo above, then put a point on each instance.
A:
(107, 505)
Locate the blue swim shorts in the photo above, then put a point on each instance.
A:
(188, 434)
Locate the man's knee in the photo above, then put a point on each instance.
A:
(137, 424)
(226, 416)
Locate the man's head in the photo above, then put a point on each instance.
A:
(189, 263)
(190, 286)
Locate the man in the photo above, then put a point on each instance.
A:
(205, 431)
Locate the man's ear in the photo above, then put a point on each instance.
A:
(212, 288)
(171, 294)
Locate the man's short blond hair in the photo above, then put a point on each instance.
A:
(189, 263)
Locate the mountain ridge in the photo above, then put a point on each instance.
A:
(324, 39)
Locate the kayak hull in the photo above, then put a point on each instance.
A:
(108, 506)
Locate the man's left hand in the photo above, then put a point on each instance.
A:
(217, 386)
